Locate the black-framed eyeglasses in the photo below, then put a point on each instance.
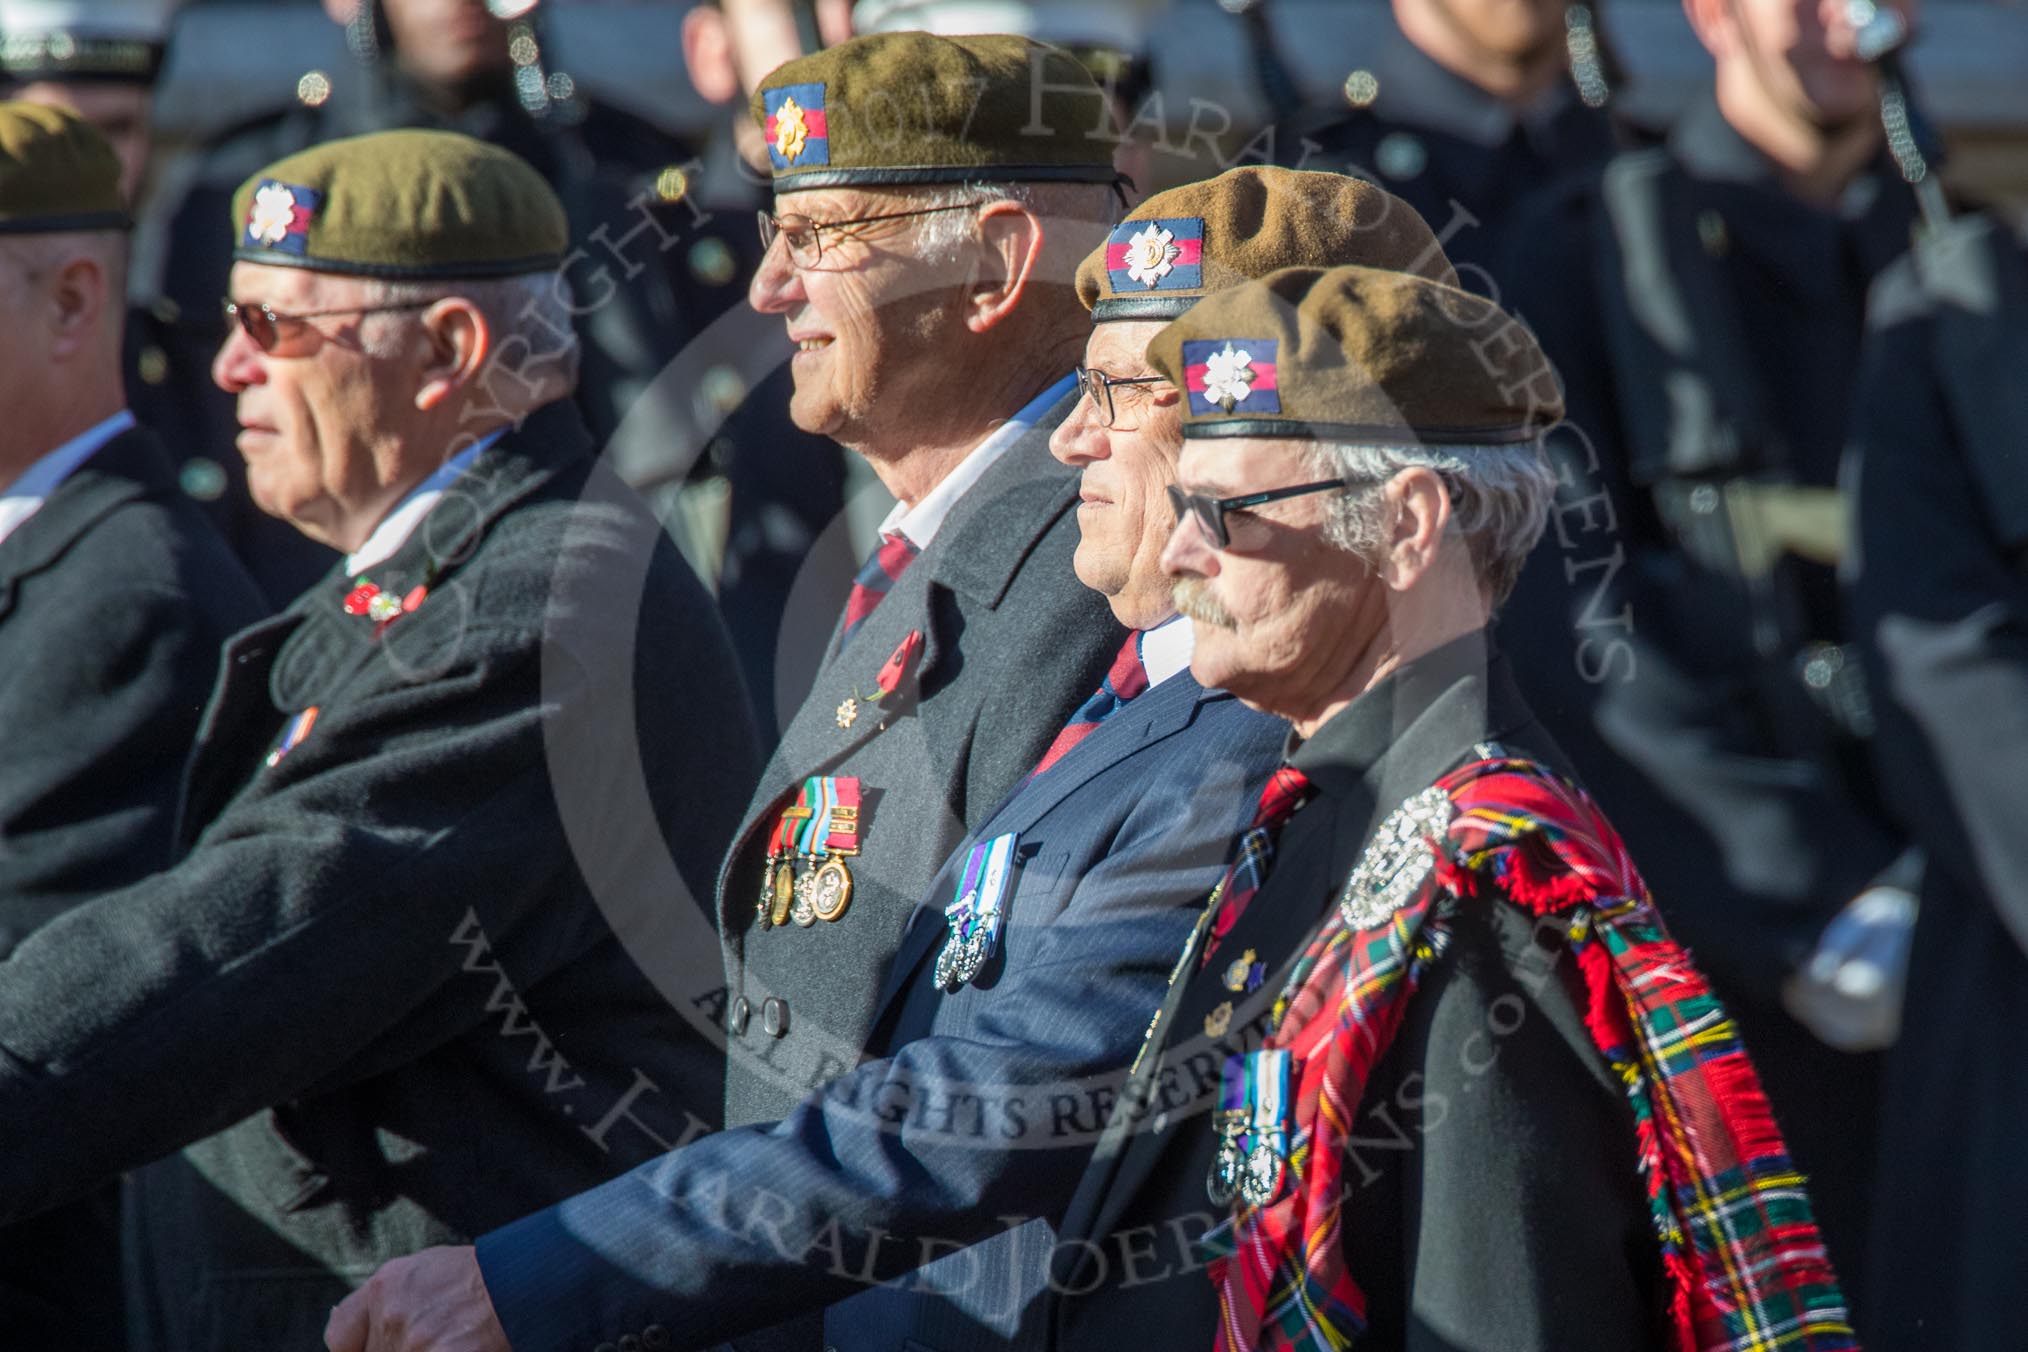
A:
(802, 237)
(263, 323)
(1098, 387)
(1209, 512)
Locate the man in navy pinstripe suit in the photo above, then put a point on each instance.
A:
(912, 1198)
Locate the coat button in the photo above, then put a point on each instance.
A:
(737, 1016)
(775, 1016)
(655, 1336)
(630, 1343)
(607, 1347)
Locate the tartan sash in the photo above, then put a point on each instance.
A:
(1744, 1267)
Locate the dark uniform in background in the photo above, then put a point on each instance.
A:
(1448, 147)
(1939, 594)
(1678, 628)
(652, 273)
(115, 598)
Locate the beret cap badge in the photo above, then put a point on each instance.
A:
(279, 216)
(796, 128)
(1221, 374)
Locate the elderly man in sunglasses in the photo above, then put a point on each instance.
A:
(449, 818)
(1033, 959)
(1483, 1099)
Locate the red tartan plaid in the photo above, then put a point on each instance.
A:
(1744, 1266)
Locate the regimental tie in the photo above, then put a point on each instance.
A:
(1127, 678)
(1286, 790)
(876, 576)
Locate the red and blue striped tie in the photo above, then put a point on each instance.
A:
(876, 575)
(1286, 790)
(1128, 678)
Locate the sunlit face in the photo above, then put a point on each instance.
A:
(869, 322)
(447, 42)
(1123, 514)
(1801, 55)
(1282, 615)
(118, 111)
(314, 413)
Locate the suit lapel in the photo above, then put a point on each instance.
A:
(1170, 708)
(974, 557)
(128, 467)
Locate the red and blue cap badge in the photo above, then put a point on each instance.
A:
(1156, 255)
(279, 215)
(1231, 375)
(796, 130)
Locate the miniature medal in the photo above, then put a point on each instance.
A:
(974, 918)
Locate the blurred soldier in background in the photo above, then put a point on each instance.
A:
(1467, 106)
(115, 597)
(100, 59)
(1939, 591)
(1679, 625)
(649, 271)
(784, 488)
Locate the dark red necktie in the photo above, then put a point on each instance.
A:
(1127, 679)
(876, 575)
(1286, 790)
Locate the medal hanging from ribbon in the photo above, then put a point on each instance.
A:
(1252, 1128)
(829, 835)
(975, 916)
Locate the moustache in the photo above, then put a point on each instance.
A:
(1194, 602)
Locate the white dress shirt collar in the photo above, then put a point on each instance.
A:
(1166, 649)
(24, 497)
(394, 529)
(921, 522)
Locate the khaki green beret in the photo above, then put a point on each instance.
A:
(57, 174)
(414, 204)
(907, 108)
(1357, 354)
(1181, 245)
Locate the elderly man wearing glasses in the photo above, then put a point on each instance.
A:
(1483, 1099)
(388, 995)
(1007, 1018)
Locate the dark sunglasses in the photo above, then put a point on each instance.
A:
(263, 324)
(1209, 512)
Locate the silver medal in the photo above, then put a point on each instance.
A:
(1222, 1184)
(1398, 861)
(1261, 1177)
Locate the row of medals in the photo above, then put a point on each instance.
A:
(804, 889)
(963, 954)
(1251, 1175)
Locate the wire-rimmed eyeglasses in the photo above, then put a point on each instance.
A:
(263, 323)
(803, 237)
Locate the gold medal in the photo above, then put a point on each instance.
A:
(784, 887)
(831, 891)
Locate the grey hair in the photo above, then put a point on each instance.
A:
(531, 315)
(1500, 497)
(942, 238)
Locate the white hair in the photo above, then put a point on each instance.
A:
(530, 315)
(942, 237)
(1499, 495)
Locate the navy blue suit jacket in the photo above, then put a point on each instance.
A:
(975, 1114)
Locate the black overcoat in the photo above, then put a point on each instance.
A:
(114, 600)
(422, 972)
